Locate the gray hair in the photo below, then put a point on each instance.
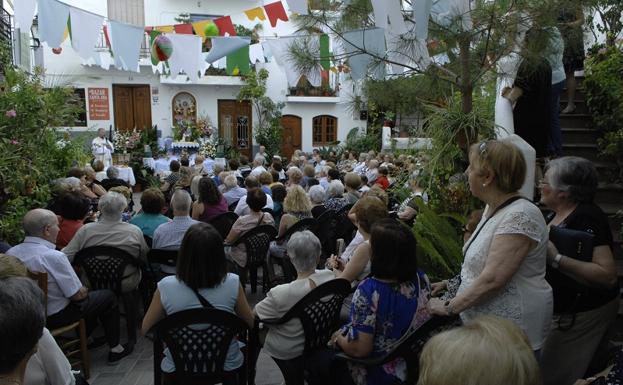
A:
(335, 189)
(112, 204)
(21, 320)
(67, 184)
(112, 172)
(317, 194)
(574, 175)
(194, 185)
(36, 220)
(259, 160)
(304, 249)
(181, 201)
(230, 182)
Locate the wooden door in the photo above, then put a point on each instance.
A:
(291, 136)
(235, 122)
(132, 107)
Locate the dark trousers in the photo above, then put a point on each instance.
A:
(98, 305)
(326, 369)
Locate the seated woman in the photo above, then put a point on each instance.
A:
(92, 183)
(408, 208)
(150, 217)
(317, 197)
(466, 355)
(100, 173)
(385, 305)
(266, 179)
(256, 200)
(77, 172)
(296, 206)
(73, 208)
(279, 195)
(365, 213)
(199, 274)
(352, 183)
(211, 202)
(112, 179)
(286, 342)
(335, 192)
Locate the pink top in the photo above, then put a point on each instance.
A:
(211, 211)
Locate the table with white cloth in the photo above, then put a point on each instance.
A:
(127, 174)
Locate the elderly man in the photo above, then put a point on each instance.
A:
(233, 192)
(112, 179)
(261, 153)
(258, 166)
(242, 208)
(102, 148)
(68, 301)
(109, 230)
(168, 236)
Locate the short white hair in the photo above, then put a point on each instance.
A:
(181, 201)
(335, 189)
(36, 220)
(112, 172)
(230, 182)
(112, 204)
(317, 194)
(304, 249)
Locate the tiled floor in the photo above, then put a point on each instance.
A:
(137, 369)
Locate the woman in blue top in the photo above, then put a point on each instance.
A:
(386, 305)
(201, 266)
(150, 217)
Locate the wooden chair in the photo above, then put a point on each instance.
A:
(75, 349)
(198, 341)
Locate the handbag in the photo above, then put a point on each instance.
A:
(572, 243)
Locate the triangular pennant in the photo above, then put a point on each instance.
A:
(186, 55)
(126, 42)
(67, 31)
(165, 28)
(255, 13)
(370, 40)
(275, 12)
(200, 27)
(325, 55)
(298, 6)
(238, 62)
(225, 25)
(53, 17)
(256, 53)
(107, 37)
(186, 29)
(24, 13)
(223, 46)
(85, 31)
(422, 10)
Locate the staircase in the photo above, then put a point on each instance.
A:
(579, 138)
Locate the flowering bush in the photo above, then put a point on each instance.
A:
(126, 140)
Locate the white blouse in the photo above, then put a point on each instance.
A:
(527, 298)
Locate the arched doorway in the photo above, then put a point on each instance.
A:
(291, 137)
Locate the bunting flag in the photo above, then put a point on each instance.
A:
(126, 43)
(186, 55)
(298, 6)
(275, 12)
(24, 13)
(225, 25)
(279, 51)
(200, 27)
(238, 62)
(186, 29)
(379, 8)
(223, 46)
(107, 37)
(422, 10)
(370, 40)
(396, 20)
(444, 13)
(53, 17)
(256, 53)
(165, 28)
(85, 31)
(255, 13)
(325, 54)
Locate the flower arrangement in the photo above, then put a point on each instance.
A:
(126, 140)
(207, 148)
(204, 126)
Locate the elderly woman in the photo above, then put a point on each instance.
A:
(211, 202)
(100, 173)
(152, 204)
(233, 192)
(352, 183)
(295, 176)
(256, 200)
(201, 278)
(73, 209)
(503, 272)
(335, 192)
(22, 320)
(408, 209)
(286, 342)
(296, 206)
(109, 230)
(317, 196)
(92, 183)
(85, 188)
(586, 294)
(385, 305)
(467, 354)
(112, 179)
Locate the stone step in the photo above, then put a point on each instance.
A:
(584, 150)
(580, 106)
(579, 135)
(575, 120)
(610, 193)
(579, 94)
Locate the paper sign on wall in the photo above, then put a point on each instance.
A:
(99, 108)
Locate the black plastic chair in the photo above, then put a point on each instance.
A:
(224, 222)
(198, 341)
(289, 272)
(344, 227)
(325, 231)
(240, 181)
(257, 243)
(163, 257)
(104, 267)
(408, 347)
(232, 206)
(319, 313)
(148, 240)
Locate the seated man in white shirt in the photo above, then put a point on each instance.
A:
(258, 166)
(242, 208)
(168, 236)
(68, 301)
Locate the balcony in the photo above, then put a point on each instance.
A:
(145, 53)
(5, 26)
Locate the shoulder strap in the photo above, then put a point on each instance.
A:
(204, 302)
(261, 219)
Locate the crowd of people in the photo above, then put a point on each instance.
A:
(517, 317)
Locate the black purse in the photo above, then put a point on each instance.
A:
(572, 243)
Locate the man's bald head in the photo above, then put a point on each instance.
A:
(35, 221)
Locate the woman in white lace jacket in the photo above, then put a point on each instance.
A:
(503, 271)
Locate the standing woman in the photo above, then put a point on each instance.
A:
(570, 23)
(503, 273)
(586, 295)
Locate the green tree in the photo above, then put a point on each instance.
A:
(268, 129)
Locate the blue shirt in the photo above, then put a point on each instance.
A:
(148, 223)
(168, 236)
